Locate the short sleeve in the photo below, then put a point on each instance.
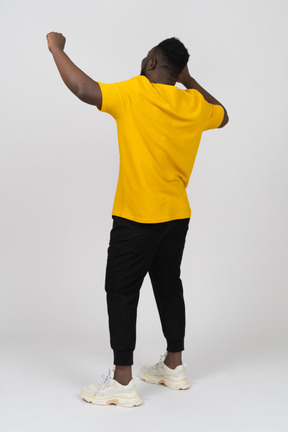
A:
(116, 98)
(214, 115)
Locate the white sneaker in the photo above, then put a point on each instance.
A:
(161, 374)
(110, 392)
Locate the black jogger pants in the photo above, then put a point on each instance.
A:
(135, 249)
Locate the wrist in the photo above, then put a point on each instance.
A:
(56, 49)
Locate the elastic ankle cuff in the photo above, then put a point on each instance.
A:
(123, 358)
(175, 345)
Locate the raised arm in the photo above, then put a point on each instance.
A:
(190, 83)
(84, 87)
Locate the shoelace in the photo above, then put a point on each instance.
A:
(161, 361)
(105, 380)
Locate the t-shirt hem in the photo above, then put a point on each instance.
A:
(159, 220)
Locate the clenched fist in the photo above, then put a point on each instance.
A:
(55, 41)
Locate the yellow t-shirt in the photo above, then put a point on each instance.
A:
(159, 130)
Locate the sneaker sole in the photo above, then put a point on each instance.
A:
(122, 401)
(167, 381)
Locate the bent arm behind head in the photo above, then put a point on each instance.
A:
(190, 83)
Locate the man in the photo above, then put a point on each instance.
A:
(159, 131)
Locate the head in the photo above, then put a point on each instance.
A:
(165, 61)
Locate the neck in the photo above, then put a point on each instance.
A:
(166, 82)
(159, 78)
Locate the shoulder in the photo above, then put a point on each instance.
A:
(129, 85)
(195, 93)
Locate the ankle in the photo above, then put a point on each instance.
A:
(123, 374)
(173, 360)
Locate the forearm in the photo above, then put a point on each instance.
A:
(74, 78)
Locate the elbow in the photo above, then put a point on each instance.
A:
(90, 96)
(81, 93)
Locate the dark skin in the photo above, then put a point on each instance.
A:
(84, 87)
(88, 90)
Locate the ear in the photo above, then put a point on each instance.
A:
(152, 64)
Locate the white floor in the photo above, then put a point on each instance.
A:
(245, 390)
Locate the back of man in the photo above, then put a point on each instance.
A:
(159, 131)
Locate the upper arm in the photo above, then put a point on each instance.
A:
(116, 97)
(225, 120)
(91, 94)
(213, 115)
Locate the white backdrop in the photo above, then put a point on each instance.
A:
(59, 168)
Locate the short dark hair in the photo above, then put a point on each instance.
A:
(174, 53)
